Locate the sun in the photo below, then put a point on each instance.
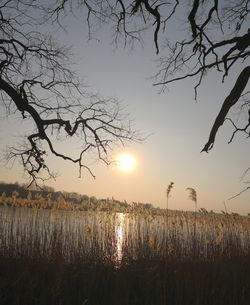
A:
(126, 162)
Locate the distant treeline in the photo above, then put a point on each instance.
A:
(15, 194)
(18, 195)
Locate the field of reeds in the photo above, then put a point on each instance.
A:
(58, 257)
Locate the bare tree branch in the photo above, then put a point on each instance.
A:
(214, 38)
(241, 192)
(37, 80)
(231, 100)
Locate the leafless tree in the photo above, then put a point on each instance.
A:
(215, 36)
(38, 84)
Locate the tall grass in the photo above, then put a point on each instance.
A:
(62, 257)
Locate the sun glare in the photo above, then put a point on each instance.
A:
(126, 162)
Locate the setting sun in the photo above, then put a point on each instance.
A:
(126, 162)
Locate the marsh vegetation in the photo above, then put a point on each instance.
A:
(139, 256)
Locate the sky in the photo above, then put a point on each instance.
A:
(177, 127)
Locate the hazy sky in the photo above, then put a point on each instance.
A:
(178, 128)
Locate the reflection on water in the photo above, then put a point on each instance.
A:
(92, 234)
(119, 232)
(114, 237)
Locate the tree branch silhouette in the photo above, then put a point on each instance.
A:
(231, 100)
(37, 81)
(214, 37)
